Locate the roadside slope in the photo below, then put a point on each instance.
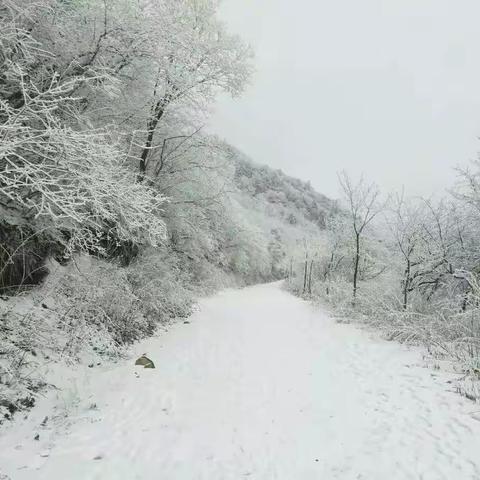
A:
(258, 385)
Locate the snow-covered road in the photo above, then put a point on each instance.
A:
(262, 386)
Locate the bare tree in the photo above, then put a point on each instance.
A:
(448, 236)
(363, 204)
(406, 224)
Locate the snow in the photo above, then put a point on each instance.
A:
(259, 385)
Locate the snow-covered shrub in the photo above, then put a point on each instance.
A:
(21, 257)
(26, 341)
(209, 277)
(445, 333)
(163, 288)
(100, 298)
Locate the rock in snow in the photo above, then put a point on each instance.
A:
(145, 362)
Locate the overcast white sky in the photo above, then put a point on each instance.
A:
(388, 88)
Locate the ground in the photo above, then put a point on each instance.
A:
(258, 385)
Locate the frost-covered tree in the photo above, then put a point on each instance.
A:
(61, 177)
(363, 204)
(193, 59)
(406, 221)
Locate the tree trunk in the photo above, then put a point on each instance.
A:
(326, 275)
(305, 272)
(465, 299)
(157, 113)
(151, 126)
(356, 265)
(310, 278)
(406, 285)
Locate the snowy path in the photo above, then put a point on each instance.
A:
(260, 386)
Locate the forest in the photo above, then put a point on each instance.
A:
(118, 209)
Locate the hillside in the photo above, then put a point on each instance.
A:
(295, 199)
(88, 308)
